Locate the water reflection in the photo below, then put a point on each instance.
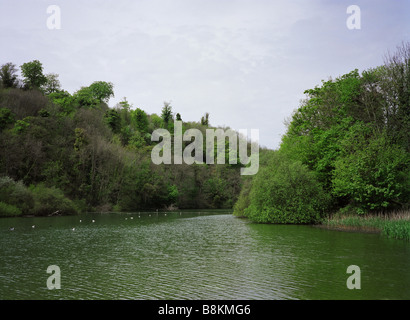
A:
(194, 256)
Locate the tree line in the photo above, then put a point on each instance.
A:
(66, 153)
(346, 150)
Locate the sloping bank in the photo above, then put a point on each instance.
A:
(287, 192)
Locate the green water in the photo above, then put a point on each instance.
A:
(194, 256)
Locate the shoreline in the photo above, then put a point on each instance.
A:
(395, 225)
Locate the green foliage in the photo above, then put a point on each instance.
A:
(64, 100)
(173, 194)
(51, 200)
(352, 132)
(52, 84)
(6, 118)
(8, 75)
(102, 91)
(16, 194)
(8, 210)
(371, 172)
(215, 187)
(243, 201)
(205, 119)
(285, 191)
(113, 119)
(21, 125)
(33, 75)
(166, 113)
(156, 122)
(139, 120)
(80, 139)
(95, 94)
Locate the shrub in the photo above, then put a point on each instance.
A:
(51, 200)
(285, 191)
(16, 194)
(8, 210)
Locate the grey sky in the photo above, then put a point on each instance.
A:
(245, 62)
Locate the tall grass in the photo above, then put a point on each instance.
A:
(393, 225)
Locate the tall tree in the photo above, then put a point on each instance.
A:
(33, 75)
(52, 84)
(166, 113)
(8, 75)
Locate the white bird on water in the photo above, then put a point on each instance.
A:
(73, 229)
(93, 221)
(33, 226)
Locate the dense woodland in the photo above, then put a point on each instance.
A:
(346, 149)
(67, 153)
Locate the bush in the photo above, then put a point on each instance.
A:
(8, 210)
(285, 191)
(16, 194)
(51, 200)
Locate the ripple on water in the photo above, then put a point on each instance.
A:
(190, 256)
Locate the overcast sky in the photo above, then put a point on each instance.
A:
(246, 62)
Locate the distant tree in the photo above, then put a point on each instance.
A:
(97, 93)
(33, 75)
(102, 90)
(6, 118)
(113, 119)
(124, 104)
(166, 113)
(139, 120)
(8, 75)
(205, 119)
(53, 84)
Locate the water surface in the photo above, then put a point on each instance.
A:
(192, 255)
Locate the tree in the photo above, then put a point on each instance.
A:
(6, 118)
(95, 94)
(102, 90)
(205, 119)
(52, 84)
(372, 172)
(396, 86)
(113, 119)
(33, 75)
(139, 120)
(8, 75)
(166, 113)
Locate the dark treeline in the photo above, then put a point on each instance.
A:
(346, 150)
(65, 153)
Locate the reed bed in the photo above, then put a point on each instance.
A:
(393, 225)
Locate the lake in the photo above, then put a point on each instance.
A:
(194, 255)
